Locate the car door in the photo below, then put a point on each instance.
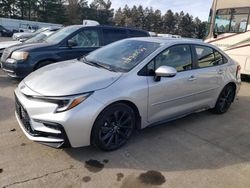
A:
(82, 43)
(209, 73)
(171, 96)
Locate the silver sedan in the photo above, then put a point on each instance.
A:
(100, 99)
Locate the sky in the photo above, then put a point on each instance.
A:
(197, 8)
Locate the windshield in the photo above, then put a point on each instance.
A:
(38, 38)
(232, 20)
(61, 34)
(127, 54)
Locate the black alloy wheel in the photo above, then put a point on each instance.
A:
(225, 100)
(113, 127)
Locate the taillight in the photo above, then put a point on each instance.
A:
(238, 70)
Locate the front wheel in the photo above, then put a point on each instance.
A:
(113, 127)
(225, 100)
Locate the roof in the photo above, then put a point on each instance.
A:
(107, 26)
(166, 40)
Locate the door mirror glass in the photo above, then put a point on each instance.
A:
(71, 43)
(165, 71)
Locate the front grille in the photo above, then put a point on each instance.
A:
(23, 116)
(25, 119)
(5, 55)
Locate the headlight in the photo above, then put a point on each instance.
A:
(65, 103)
(19, 55)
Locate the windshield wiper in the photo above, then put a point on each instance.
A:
(97, 64)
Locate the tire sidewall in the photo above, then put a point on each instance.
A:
(217, 108)
(101, 119)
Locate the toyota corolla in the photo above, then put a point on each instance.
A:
(100, 99)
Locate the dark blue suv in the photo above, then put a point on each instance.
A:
(68, 43)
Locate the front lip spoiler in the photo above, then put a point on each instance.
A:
(52, 142)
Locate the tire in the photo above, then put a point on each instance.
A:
(224, 100)
(113, 127)
(42, 64)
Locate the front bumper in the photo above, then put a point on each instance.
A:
(16, 69)
(40, 123)
(47, 133)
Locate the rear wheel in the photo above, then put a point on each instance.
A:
(113, 127)
(225, 100)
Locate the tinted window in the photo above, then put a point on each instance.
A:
(134, 33)
(178, 57)
(86, 38)
(208, 57)
(112, 35)
(123, 55)
(219, 59)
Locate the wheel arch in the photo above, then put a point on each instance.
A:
(130, 104)
(135, 109)
(43, 60)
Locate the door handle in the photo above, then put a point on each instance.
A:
(220, 71)
(192, 78)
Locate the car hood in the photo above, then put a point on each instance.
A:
(69, 78)
(29, 46)
(7, 44)
(23, 34)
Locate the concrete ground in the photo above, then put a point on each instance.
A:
(2, 39)
(201, 150)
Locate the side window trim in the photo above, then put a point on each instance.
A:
(194, 57)
(144, 70)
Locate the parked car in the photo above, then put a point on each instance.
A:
(28, 28)
(5, 32)
(22, 36)
(68, 43)
(37, 38)
(101, 98)
(17, 25)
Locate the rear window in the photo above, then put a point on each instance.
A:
(112, 35)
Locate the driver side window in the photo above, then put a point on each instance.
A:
(178, 57)
(86, 38)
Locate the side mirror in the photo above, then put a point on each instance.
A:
(22, 40)
(71, 43)
(215, 34)
(164, 71)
